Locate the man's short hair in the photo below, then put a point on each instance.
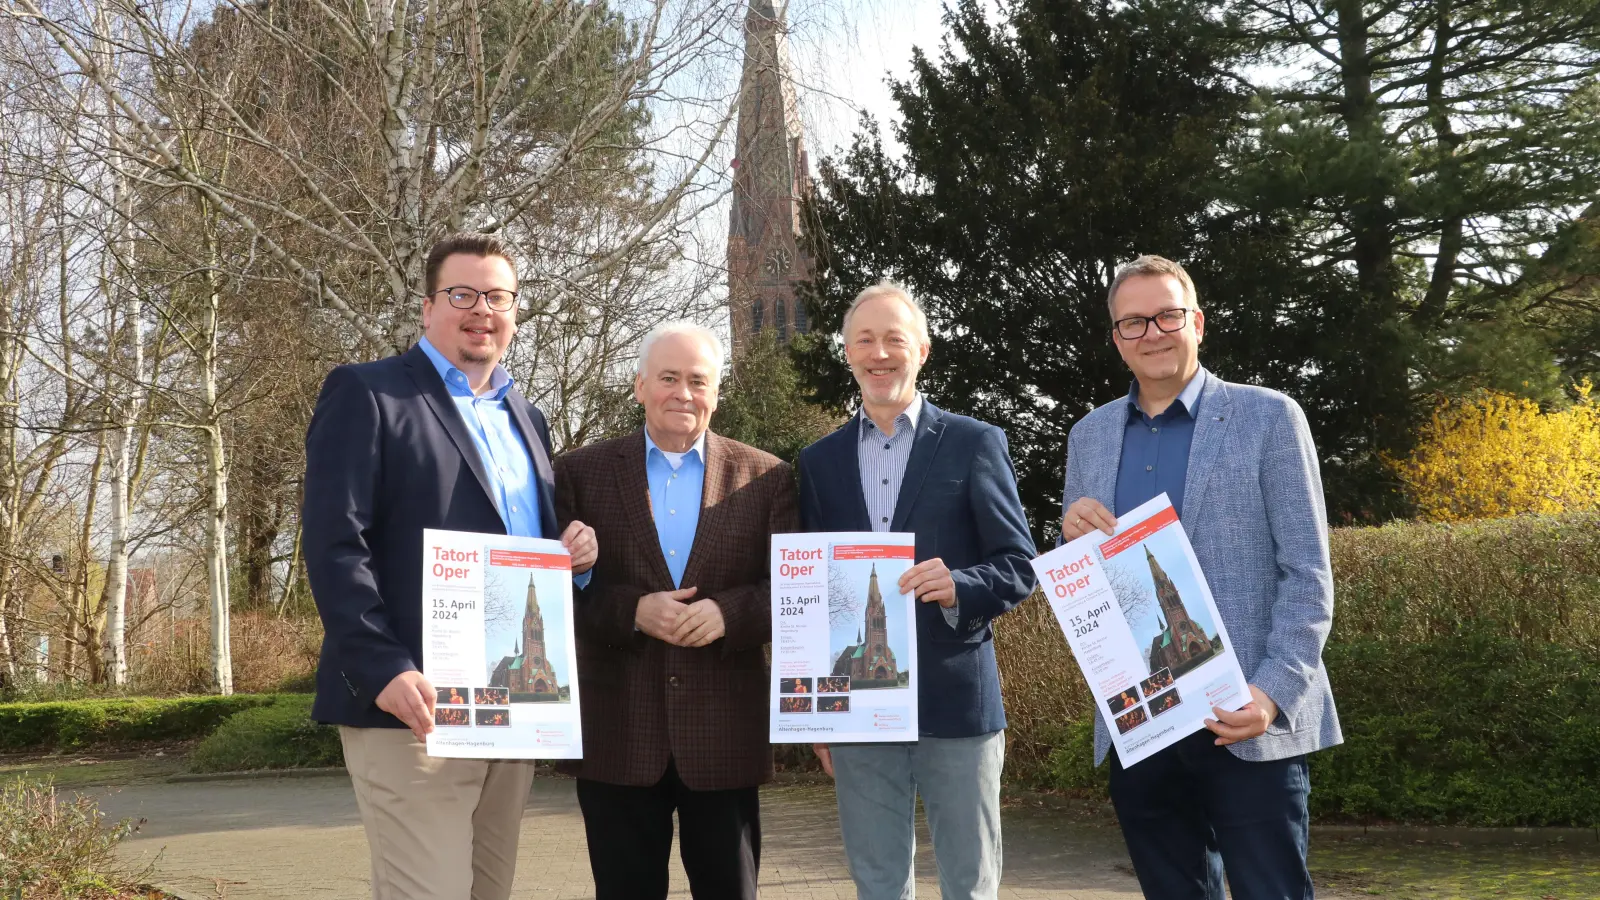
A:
(887, 288)
(713, 344)
(1152, 265)
(467, 243)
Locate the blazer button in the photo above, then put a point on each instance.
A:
(673, 680)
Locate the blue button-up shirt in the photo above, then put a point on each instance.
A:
(882, 463)
(1155, 450)
(499, 442)
(675, 493)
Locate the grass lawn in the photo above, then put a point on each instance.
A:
(88, 769)
(1414, 870)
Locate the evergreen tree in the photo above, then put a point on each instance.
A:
(1040, 153)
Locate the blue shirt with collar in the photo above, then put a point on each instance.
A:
(675, 495)
(499, 443)
(1155, 449)
(882, 461)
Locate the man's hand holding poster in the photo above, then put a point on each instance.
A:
(498, 647)
(1143, 626)
(844, 639)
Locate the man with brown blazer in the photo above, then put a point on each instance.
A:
(671, 629)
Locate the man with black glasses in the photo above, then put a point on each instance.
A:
(438, 437)
(1238, 464)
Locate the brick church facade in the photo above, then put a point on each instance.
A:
(767, 256)
(870, 657)
(527, 670)
(1182, 644)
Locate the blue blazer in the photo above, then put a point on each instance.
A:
(959, 497)
(1253, 509)
(387, 455)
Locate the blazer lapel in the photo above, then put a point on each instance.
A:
(426, 377)
(1107, 438)
(1210, 431)
(518, 405)
(635, 487)
(930, 428)
(713, 491)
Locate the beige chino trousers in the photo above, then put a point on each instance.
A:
(438, 829)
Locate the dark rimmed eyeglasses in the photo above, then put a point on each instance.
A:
(1167, 321)
(463, 297)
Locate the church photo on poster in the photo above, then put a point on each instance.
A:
(524, 639)
(867, 635)
(1165, 609)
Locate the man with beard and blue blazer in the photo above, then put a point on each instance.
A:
(902, 465)
(1239, 466)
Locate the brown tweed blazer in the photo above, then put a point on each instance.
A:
(644, 699)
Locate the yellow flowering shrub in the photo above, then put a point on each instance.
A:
(1497, 455)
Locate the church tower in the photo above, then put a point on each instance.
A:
(880, 663)
(771, 175)
(538, 677)
(1181, 641)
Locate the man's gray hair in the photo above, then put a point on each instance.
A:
(887, 288)
(713, 344)
(1152, 265)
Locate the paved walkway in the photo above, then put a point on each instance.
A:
(301, 839)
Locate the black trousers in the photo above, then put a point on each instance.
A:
(1194, 812)
(630, 838)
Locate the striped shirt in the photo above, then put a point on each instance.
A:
(883, 462)
(883, 467)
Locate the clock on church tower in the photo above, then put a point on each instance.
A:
(767, 253)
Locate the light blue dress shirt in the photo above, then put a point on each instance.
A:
(498, 440)
(882, 460)
(675, 495)
(1155, 449)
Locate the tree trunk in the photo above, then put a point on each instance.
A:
(216, 479)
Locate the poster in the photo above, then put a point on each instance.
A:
(1144, 628)
(844, 639)
(498, 646)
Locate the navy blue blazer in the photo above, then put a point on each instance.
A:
(959, 497)
(387, 455)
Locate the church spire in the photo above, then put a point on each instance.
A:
(766, 254)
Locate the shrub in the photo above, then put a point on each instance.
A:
(1498, 455)
(267, 650)
(53, 847)
(1535, 578)
(1475, 729)
(66, 725)
(280, 736)
(1463, 660)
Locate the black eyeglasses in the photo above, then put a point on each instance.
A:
(1167, 321)
(463, 297)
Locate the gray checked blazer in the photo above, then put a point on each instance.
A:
(1253, 509)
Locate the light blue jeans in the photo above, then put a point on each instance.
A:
(959, 780)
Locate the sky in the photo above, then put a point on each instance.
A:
(843, 56)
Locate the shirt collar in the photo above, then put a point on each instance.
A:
(500, 382)
(911, 414)
(1189, 396)
(698, 447)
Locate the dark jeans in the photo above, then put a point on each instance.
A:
(630, 838)
(1194, 811)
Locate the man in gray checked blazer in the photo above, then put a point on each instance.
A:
(1238, 463)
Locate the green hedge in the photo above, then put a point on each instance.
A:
(68, 725)
(280, 736)
(1476, 729)
(1465, 662)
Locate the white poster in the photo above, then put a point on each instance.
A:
(498, 646)
(1142, 623)
(844, 639)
